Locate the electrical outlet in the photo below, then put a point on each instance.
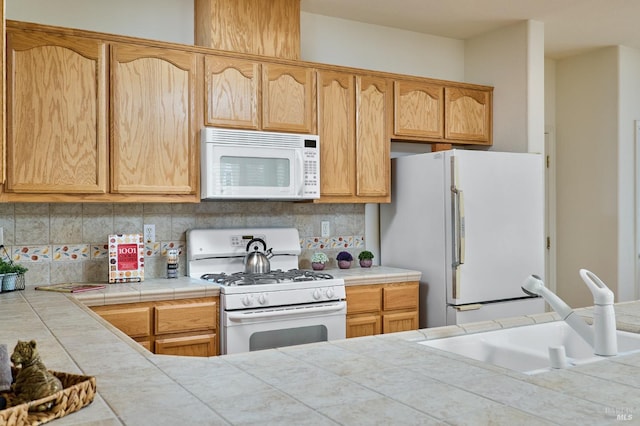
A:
(149, 233)
(326, 228)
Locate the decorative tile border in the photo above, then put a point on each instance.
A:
(31, 253)
(99, 251)
(71, 252)
(152, 249)
(179, 245)
(80, 252)
(332, 243)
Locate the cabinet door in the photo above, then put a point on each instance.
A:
(134, 321)
(418, 109)
(401, 321)
(336, 127)
(288, 98)
(232, 88)
(468, 114)
(364, 299)
(154, 137)
(363, 325)
(373, 145)
(400, 296)
(56, 105)
(186, 316)
(200, 345)
(2, 94)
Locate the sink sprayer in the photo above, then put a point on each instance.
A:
(602, 337)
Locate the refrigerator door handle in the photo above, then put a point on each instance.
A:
(458, 238)
(457, 213)
(458, 226)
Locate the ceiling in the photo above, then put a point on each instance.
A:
(571, 26)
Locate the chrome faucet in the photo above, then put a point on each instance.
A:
(602, 336)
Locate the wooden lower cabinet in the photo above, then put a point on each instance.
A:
(187, 327)
(382, 308)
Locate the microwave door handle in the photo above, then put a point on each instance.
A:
(298, 180)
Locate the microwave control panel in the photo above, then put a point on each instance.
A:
(311, 174)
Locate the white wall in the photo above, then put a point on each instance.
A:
(341, 42)
(512, 60)
(598, 102)
(165, 20)
(629, 108)
(587, 105)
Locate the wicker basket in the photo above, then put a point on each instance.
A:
(78, 392)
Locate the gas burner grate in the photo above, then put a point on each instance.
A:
(273, 277)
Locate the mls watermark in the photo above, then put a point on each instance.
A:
(619, 413)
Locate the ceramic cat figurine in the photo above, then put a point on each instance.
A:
(33, 381)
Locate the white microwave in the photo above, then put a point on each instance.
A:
(248, 164)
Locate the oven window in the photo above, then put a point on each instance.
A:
(287, 337)
(254, 171)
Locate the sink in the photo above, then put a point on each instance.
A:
(526, 348)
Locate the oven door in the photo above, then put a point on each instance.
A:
(257, 329)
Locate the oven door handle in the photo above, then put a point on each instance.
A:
(239, 316)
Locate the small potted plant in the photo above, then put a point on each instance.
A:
(10, 272)
(366, 259)
(318, 261)
(344, 259)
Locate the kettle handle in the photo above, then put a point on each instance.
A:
(260, 240)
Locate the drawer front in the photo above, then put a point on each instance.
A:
(134, 322)
(200, 345)
(363, 299)
(185, 317)
(400, 297)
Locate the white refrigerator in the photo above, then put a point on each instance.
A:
(473, 223)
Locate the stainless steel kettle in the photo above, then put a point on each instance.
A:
(256, 261)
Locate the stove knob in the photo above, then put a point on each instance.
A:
(262, 299)
(330, 293)
(247, 301)
(317, 294)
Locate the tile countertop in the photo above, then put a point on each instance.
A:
(386, 379)
(185, 287)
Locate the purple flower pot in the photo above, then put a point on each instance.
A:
(344, 264)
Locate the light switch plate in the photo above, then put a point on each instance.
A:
(326, 228)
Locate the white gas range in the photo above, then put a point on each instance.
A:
(284, 307)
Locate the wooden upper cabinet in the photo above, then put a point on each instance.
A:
(288, 98)
(2, 93)
(154, 136)
(433, 111)
(245, 94)
(468, 114)
(57, 114)
(373, 146)
(418, 109)
(354, 138)
(232, 92)
(336, 128)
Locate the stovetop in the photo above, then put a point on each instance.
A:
(273, 277)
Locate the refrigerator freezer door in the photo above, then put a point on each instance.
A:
(501, 220)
